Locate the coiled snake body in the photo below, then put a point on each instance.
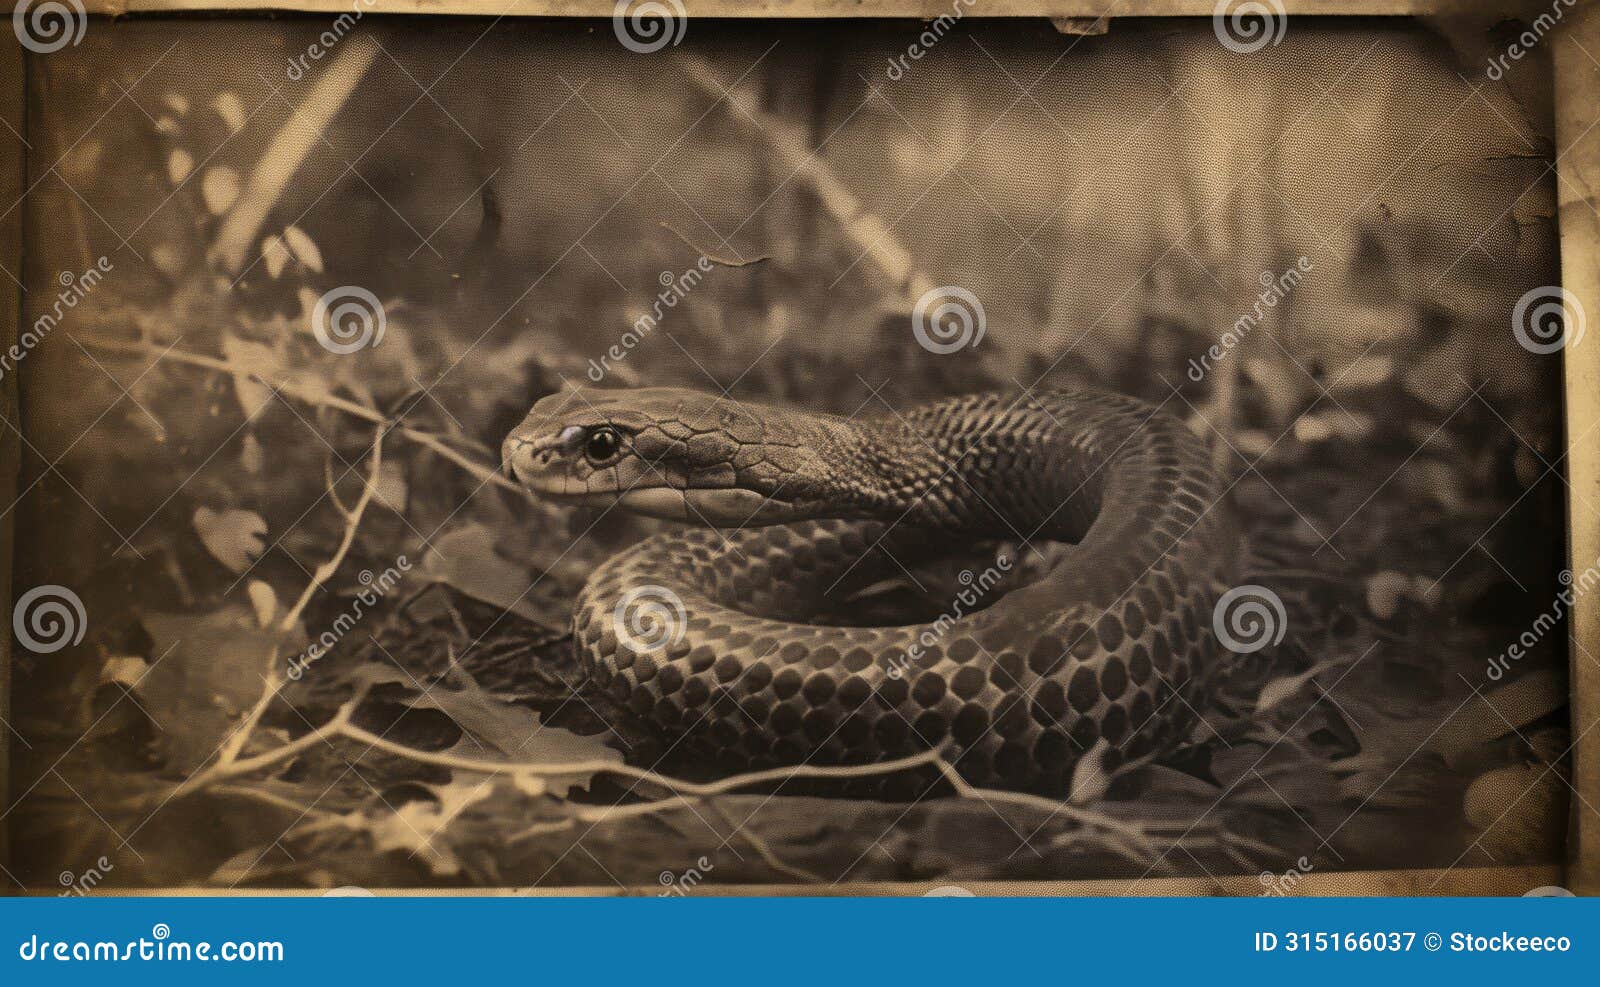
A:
(737, 641)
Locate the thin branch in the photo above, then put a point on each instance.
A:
(762, 848)
(326, 570)
(273, 681)
(317, 398)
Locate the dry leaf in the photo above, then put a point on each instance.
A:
(305, 250)
(233, 537)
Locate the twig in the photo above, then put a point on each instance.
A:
(712, 257)
(273, 681)
(789, 144)
(759, 844)
(316, 398)
(1039, 803)
(686, 793)
(687, 790)
(352, 518)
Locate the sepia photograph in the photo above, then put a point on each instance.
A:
(662, 455)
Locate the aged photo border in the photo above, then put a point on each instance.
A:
(1574, 48)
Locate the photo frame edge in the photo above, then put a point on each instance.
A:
(13, 176)
(1577, 85)
(1577, 92)
(782, 9)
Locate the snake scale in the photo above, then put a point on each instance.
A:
(733, 635)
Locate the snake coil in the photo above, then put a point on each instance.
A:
(753, 661)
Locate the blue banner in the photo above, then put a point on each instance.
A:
(806, 941)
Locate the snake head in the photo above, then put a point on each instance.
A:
(675, 454)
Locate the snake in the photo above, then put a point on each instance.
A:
(1106, 538)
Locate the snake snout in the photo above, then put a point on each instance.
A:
(525, 459)
(513, 448)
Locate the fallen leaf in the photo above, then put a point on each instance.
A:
(206, 670)
(516, 731)
(465, 560)
(420, 827)
(233, 537)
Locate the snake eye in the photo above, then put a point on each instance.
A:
(602, 444)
